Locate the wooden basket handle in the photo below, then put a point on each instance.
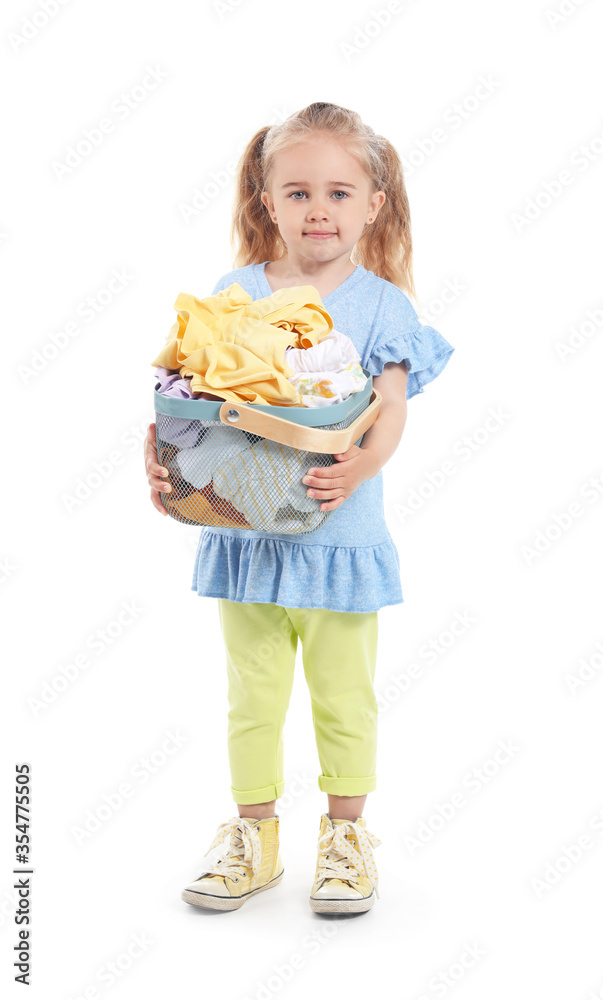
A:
(314, 439)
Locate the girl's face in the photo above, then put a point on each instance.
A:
(317, 187)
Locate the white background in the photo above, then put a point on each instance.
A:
(496, 875)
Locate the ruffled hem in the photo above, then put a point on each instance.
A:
(424, 351)
(269, 571)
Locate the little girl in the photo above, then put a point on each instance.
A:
(309, 192)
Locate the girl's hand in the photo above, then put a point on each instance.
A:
(337, 482)
(157, 482)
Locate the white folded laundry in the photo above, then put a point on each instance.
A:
(333, 353)
(326, 373)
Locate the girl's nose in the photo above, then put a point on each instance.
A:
(317, 212)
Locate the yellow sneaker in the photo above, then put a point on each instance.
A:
(346, 879)
(251, 863)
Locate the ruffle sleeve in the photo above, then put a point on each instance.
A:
(402, 337)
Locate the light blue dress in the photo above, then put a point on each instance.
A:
(351, 562)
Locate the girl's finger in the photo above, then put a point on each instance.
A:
(150, 441)
(159, 484)
(332, 504)
(157, 503)
(326, 494)
(320, 479)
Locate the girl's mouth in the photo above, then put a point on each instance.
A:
(319, 236)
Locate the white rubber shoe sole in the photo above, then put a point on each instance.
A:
(342, 905)
(225, 902)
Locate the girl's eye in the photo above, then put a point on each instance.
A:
(344, 193)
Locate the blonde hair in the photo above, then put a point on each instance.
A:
(385, 247)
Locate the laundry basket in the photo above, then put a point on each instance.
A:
(240, 465)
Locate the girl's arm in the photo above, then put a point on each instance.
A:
(383, 437)
(337, 482)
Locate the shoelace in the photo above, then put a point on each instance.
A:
(340, 854)
(243, 852)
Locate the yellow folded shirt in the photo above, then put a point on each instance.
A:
(234, 346)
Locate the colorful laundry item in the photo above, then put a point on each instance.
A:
(179, 431)
(327, 373)
(326, 388)
(171, 384)
(220, 444)
(196, 508)
(224, 508)
(333, 353)
(234, 346)
(264, 481)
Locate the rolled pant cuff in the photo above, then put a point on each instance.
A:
(347, 786)
(256, 795)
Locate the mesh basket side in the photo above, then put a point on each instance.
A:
(225, 476)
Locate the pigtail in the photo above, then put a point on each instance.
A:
(385, 245)
(254, 236)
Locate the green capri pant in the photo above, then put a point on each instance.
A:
(339, 658)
